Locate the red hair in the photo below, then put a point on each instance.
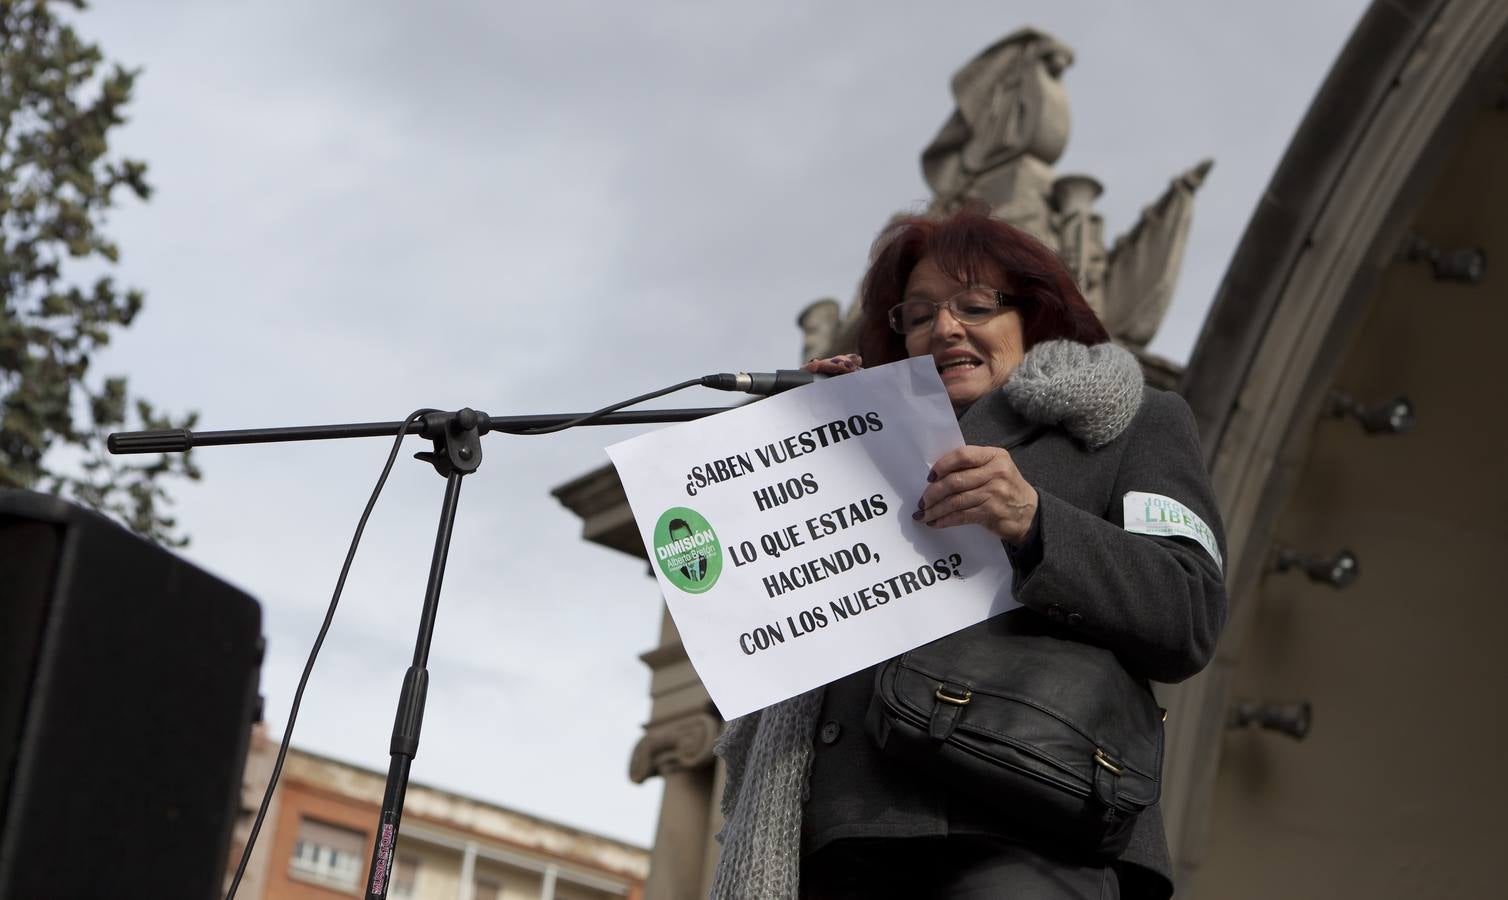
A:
(968, 246)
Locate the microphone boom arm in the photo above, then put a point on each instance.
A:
(178, 440)
(457, 452)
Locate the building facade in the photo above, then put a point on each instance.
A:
(316, 842)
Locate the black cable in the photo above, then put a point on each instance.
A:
(298, 695)
(583, 419)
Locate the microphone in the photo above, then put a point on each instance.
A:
(761, 383)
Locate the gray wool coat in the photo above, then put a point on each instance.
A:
(1158, 603)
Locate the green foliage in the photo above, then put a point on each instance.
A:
(57, 181)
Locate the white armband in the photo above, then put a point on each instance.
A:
(1165, 517)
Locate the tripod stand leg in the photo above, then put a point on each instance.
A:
(405, 743)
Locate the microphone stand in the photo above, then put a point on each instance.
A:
(457, 452)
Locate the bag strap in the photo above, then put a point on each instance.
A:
(951, 698)
(1107, 773)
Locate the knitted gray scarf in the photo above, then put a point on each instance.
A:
(1093, 393)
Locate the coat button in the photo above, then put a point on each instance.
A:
(1075, 620)
(830, 732)
(1055, 612)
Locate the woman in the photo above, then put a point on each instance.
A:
(1058, 430)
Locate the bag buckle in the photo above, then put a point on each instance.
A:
(1107, 762)
(954, 695)
(951, 699)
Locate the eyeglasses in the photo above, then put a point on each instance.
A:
(970, 306)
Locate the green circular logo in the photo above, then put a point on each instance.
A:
(687, 550)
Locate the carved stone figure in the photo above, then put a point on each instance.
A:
(1010, 126)
(675, 746)
(819, 326)
(1081, 235)
(998, 148)
(1143, 265)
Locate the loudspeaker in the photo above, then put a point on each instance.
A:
(128, 686)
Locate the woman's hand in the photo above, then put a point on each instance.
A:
(834, 365)
(980, 485)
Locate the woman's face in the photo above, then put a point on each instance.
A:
(972, 359)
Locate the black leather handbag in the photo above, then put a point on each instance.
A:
(1052, 733)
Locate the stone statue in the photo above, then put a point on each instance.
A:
(819, 327)
(1080, 235)
(998, 148)
(1010, 126)
(1143, 265)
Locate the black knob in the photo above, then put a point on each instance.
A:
(1292, 719)
(1339, 571)
(1394, 416)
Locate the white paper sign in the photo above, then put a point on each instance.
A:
(782, 537)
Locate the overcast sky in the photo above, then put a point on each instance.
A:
(363, 208)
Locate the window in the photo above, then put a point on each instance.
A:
(487, 889)
(405, 878)
(328, 855)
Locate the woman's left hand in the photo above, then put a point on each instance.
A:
(834, 365)
(980, 485)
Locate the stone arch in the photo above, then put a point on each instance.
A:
(1409, 115)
